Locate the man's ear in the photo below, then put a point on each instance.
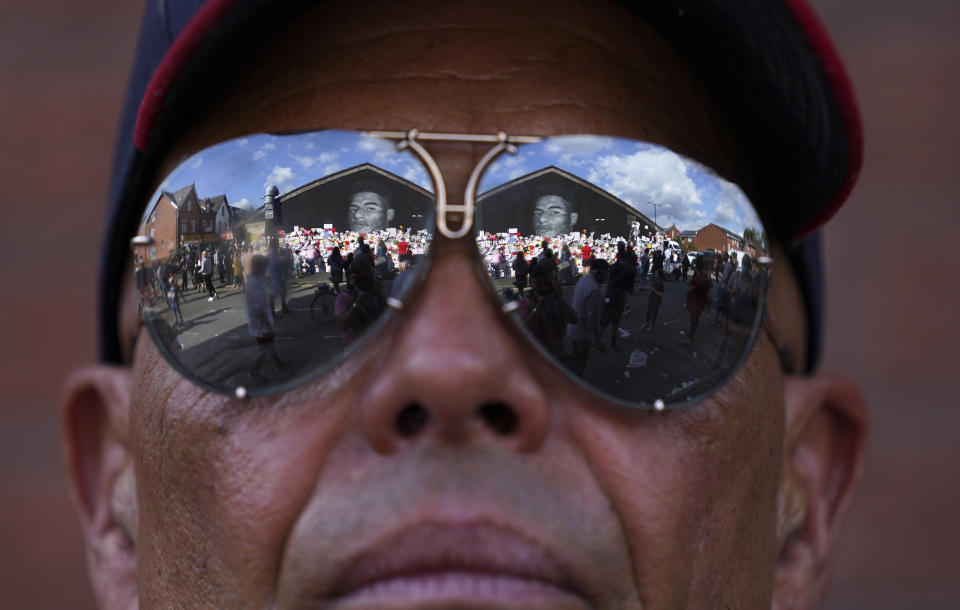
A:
(390, 214)
(573, 219)
(99, 468)
(824, 447)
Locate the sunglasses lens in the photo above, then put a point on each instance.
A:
(639, 271)
(262, 260)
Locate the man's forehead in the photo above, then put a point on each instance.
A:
(575, 69)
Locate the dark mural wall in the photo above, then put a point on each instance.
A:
(328, 201)
(589, 210)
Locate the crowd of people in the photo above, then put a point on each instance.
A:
(605, 271)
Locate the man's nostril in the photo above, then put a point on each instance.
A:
(501, 418)
(411, 420)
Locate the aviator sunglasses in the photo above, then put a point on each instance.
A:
(264, 261)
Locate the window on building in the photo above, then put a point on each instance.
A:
(153, 253)
(193, 226)
(183, 227)
(153, 232)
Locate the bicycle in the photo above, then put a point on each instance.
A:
(322, 305)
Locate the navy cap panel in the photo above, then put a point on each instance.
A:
(806, 258)
(162, 21)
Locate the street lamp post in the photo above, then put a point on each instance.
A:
(655, 206)
(271, 211)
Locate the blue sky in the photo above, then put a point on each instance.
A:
(242, 168)
(688, 194)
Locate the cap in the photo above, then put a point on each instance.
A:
(770, 63)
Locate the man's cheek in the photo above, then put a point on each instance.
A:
(265, 472)
(658, 490)
(229, 493)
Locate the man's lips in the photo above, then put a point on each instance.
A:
(436, 563)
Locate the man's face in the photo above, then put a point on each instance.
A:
(369, 212)
(553, 215)
(325, 496)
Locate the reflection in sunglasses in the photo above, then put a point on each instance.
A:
(259, 300)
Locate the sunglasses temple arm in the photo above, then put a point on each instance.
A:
(787, 360)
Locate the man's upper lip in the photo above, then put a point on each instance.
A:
(433, 547)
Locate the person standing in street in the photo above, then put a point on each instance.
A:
(588, 304)
(698, 294)
(206, 270)
(260, 319)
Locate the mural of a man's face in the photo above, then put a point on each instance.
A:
(369, 212)
(553, 215)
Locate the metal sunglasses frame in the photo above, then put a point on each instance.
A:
(411, 139)
(464, 213)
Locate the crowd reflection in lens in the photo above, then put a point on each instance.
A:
(274, 307)
(634, 317)
(628, 310)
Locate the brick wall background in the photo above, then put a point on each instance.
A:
(892, 296)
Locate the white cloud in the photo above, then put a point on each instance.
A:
(505, 168)
(262, 151)
(331, 168)
(372, 143)
(243, 203)
(652, 175)
(243, 141)
(417, 175)
(307, 161)
(726, 216)
(382, 157)
(281, 176)
(367, 143)
(197, 163)
(734, 210)
(580, 146)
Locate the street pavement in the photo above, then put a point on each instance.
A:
(647, 364)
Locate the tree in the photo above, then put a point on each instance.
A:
(756, 236)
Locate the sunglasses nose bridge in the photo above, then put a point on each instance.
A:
(455, 220)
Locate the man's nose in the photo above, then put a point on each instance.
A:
(454, 373)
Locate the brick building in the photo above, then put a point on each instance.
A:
(181, 216)
(161, 226)
(189, 213)
(716, 238)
